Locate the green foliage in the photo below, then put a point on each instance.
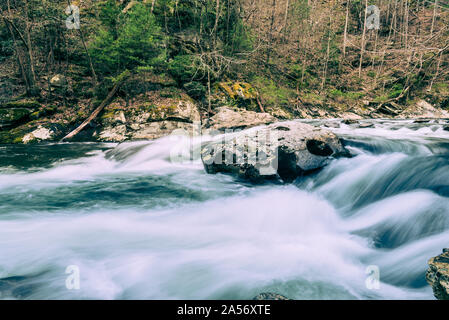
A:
(130, 40)
(272, 93)
(195, 89)
(183, 68)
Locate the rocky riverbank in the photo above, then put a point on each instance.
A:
(156, 114)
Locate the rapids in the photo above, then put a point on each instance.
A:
(140, 223)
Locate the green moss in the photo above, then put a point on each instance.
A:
(28, 104)
(238, 90)
(11, 116)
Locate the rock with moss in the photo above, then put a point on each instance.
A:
(148, 121)
(238, 90)
(280, 151)
(27, 104)
(58, 81)
(13, 117)
(438, 275)
(33, 132)
(44, 132)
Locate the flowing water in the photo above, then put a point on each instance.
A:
(137, 223)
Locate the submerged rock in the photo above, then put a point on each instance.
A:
(438, 275)
(366, 125)
(270, 296)
(282, 151)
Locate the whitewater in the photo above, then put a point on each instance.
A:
(140, 223)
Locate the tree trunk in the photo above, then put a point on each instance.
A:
(433, 17)
(345, 35)
(362, 49)
(92, 70)
(97, 111)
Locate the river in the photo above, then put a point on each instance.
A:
(136, 223)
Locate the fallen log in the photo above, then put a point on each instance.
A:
(103, 104)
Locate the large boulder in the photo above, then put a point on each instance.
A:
(44, 132)
(438, 275)
(148, 122)
(227, 118)
(282, 151)
(423, 109)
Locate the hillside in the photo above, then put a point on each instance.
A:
(287, 58)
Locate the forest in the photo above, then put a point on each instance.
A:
(290, 58)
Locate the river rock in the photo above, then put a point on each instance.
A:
(227, 118)
(424, 110)
(281, 151)
(148, 122)
(350, 121)
(438, 275)
(334, 125)
(41, 133)
(446, 128)
(270, 296)
(366, 125)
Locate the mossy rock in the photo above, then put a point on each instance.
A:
(27, 104)
(43, 112)
(16, 135)
(238, 90)
(12, 117)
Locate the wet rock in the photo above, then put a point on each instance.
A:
(227, 118)
(350, 121)
(421, 121)
(366, 125)
(270, 296)
(446, 128)
(438, 275)
(332, 125)
(282, 151)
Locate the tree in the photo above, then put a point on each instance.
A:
(127, 40)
